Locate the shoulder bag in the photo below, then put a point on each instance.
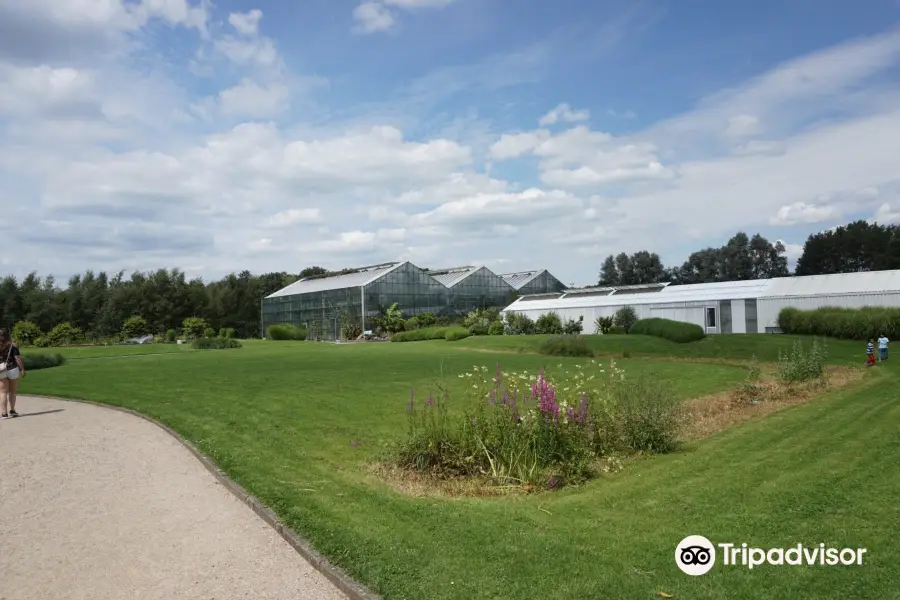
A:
(6, 362)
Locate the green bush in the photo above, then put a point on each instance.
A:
(424, 333)
(617, 330)
(518, 324)
(63, 335)
(571, 326)
(801, 365)
(214, 343)
(351, 330)
(565, 345)
(478, 322)
(625, 317)
(603, 325)
(26, 333)
(33, 362)
(135, 326)
(43, 342)
(284, 332)
(496, 328)
(427, 319)
(412, 323)
(843, 323)
(442, 321)
(675, 331)
(171, 336)
(454, 334)
(209, 332)
(193, 327)
(548, 323)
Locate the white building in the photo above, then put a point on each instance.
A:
(729, 307)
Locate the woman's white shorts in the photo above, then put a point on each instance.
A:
(10, 373)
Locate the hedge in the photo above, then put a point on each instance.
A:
(286, 332)
(842, 323)
(454, 334)
(425, 333)
(214, 343)
(675, 331)
(33, 362)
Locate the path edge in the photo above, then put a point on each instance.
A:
(349, 586)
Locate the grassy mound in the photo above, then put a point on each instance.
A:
(425, 333)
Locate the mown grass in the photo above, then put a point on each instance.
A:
(280, 420)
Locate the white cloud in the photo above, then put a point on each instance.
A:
(246, 23)
(564, 113)
(250, 99)
(373, 16)
(800, 212)
(886, 214)
(296, 216)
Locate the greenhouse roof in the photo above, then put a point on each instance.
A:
(522, 278)
(450, 277)
(362, 276)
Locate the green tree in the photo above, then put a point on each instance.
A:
(194, 327)
(135, 326)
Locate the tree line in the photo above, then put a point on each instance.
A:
(857, 246)
(99, 304)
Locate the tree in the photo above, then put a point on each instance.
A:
(857, 246)
(609, 273)
(313, 271)
(740, 259)
(194, 327)
(135, 326)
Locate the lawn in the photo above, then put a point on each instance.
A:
(728, 346)
(280, 419)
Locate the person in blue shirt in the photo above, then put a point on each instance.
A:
(883, 347)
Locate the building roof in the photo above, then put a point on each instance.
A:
(452, 276)
(700, 292)
(522, 278)
(363, 276)
(842, 283)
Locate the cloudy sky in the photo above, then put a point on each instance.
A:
(277, 134)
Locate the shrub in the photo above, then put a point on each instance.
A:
(351, 330)
(221, 332)
(844, 323)
(548, 323)
(571, 326)
(526, 429)
(625, 317)
(33, 362)
(644, 416)
(603, 325)
(26, 333)
(676, 331)
(518, 324)
(565, 345)
(230, 333)
(135, 326)
(194, 327)
(617, 330)
(412, 323)
(442, 321)
(284, 332)
(478, 322)
(214, 343)
(427, 319)
(496, 328)
(171, 336)
(454, 334)
(63, 335)
(43, 342)
(209, 332)
(801, 365)
(423, 333)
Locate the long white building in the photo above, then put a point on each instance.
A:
(729, 307)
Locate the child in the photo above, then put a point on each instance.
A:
(882, 347)
(870, 353)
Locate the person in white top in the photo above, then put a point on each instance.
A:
(883, 348)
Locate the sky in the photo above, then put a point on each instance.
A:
(271, 135)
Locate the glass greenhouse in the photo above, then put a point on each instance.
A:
(534, 282)
(326, 303)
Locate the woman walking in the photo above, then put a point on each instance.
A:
(11, 369)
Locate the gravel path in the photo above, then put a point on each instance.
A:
(98, 504)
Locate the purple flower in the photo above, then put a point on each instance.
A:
(430, 401)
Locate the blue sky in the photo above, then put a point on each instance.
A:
(274, 135)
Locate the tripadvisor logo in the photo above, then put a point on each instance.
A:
(696, 555)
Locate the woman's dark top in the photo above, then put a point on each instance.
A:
(9, 357)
